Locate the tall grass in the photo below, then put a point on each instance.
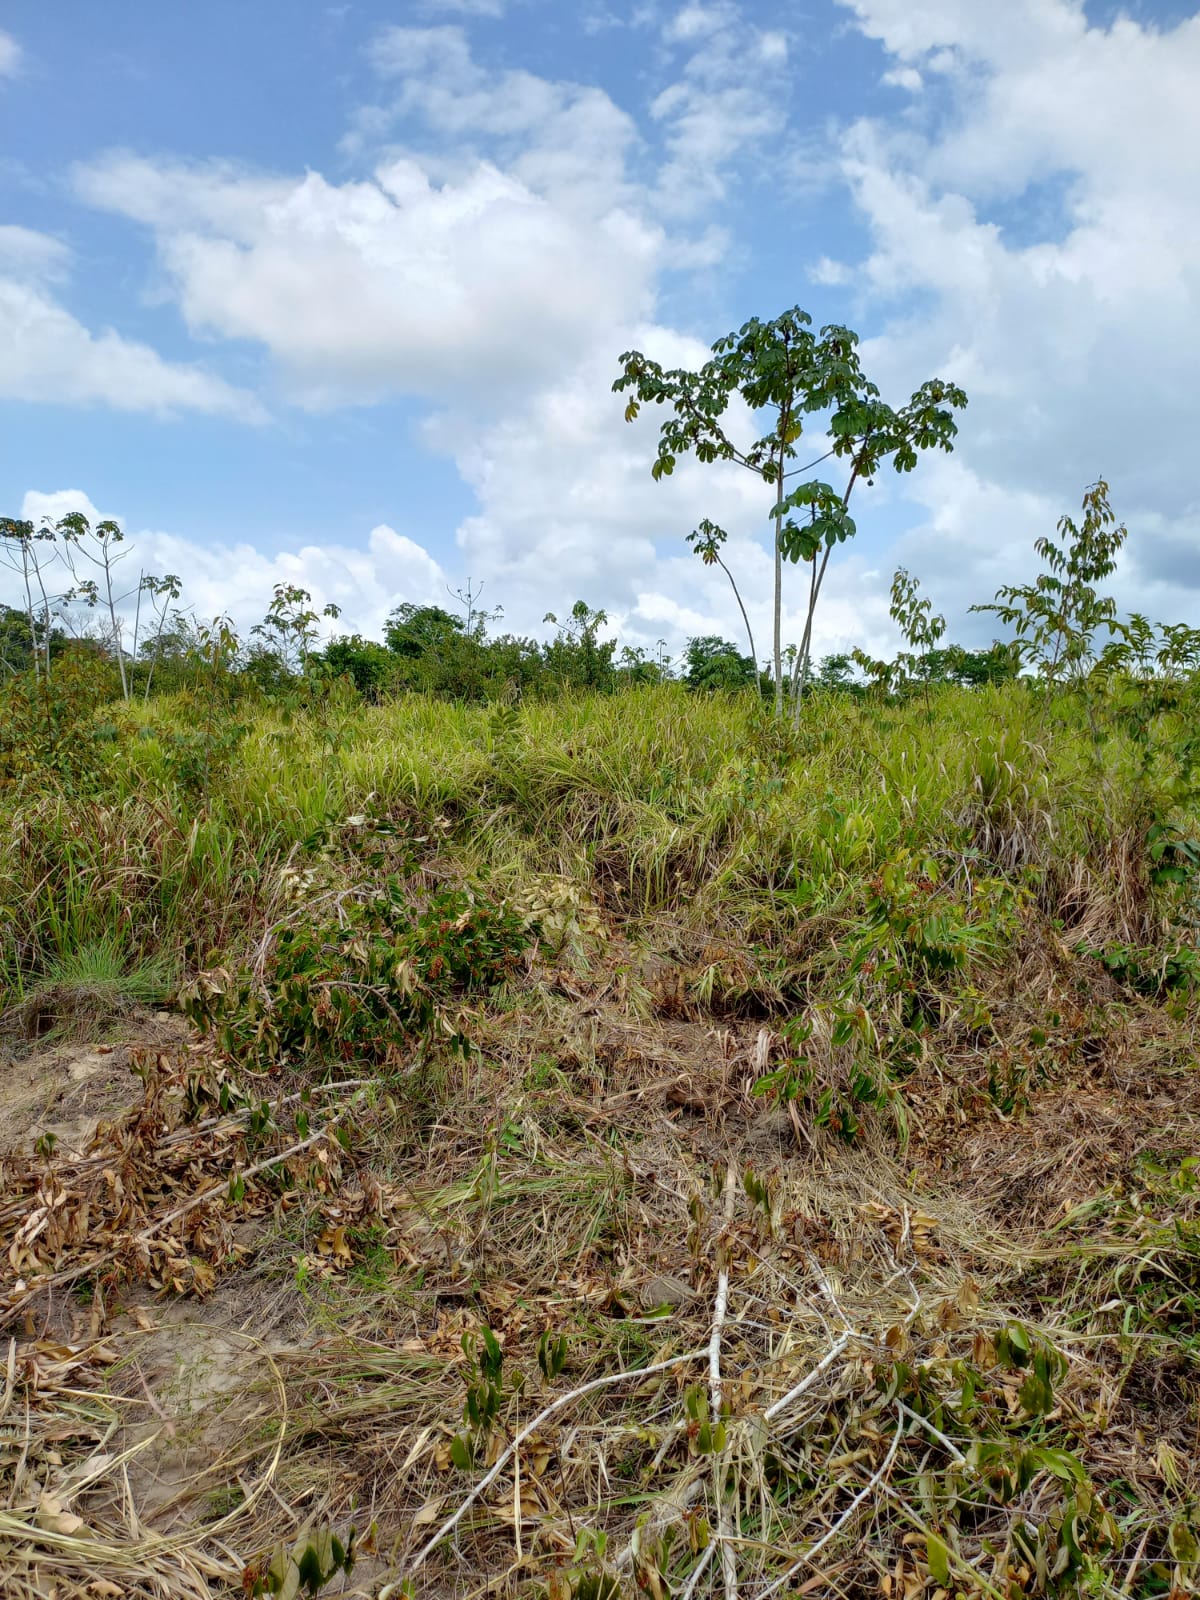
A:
(658, 798)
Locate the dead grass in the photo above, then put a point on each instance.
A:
(568, 1182)
(956, 1356)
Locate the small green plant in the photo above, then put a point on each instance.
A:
(290, 627)
(312, 1562)
(914, 616)
(360, 989)
(551, 1355)
(1149, 971)
(485, 1395)
(706, 1434)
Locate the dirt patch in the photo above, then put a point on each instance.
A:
(66, 1090)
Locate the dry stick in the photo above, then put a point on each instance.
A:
(808, 1380)
(70, 1275)
(863, 1494)
(490, 1477)
(697, 1572)
(1135, 1563)
(934, 1433)
(715, 1395)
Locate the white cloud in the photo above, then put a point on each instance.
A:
(832, 273)
(430, 276)
(728, 102)
(1037, 236)
(27, 254)
(365, 579)
(10, 56)
(568, 143)
(464, 8)
(693, 22)
(47, 355)
(904, 78)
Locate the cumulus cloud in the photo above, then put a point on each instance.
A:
(692, 22)
(400, 283)
(568, 143)
(1035, 236)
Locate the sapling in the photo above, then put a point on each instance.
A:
(920, 625)
(785, 373)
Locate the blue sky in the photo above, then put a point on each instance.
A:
(335, 293)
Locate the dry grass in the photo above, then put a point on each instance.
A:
(1019, 1199)
(578, 1191)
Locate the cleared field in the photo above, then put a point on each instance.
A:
(616, 1144)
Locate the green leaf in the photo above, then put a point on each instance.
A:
(937, 1554)
(1037, 1396)
(460, 1452)
(1060, 1464)
(1183, 1543)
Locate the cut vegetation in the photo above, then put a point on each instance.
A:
(625, 1145)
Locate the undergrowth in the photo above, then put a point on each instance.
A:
(696, 1155)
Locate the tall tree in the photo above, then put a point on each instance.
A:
(786, 374)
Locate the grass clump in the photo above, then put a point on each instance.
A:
(88, 990)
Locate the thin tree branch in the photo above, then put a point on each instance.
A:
(806, 1383)
(530, 1428)
(716, 1393)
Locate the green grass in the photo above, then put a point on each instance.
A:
(84, 988)
(846, 965)
(664, 801)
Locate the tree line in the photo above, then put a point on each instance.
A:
(458, 653)
(770, 393)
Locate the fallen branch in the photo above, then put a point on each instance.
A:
(864, 1493)
(530, 1428)
(934, 1433)
(808, 1380)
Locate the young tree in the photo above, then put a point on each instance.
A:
(163, 593)
(1057, 616)
(370, 666)
(706, 541)
(31, 554)
(290, 626)
(921, 626)
(576, 656)
(786, 374)
(98, 547)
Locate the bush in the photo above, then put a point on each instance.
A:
(49, 727)
(362, 987)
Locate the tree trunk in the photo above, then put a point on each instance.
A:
(778, 487)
